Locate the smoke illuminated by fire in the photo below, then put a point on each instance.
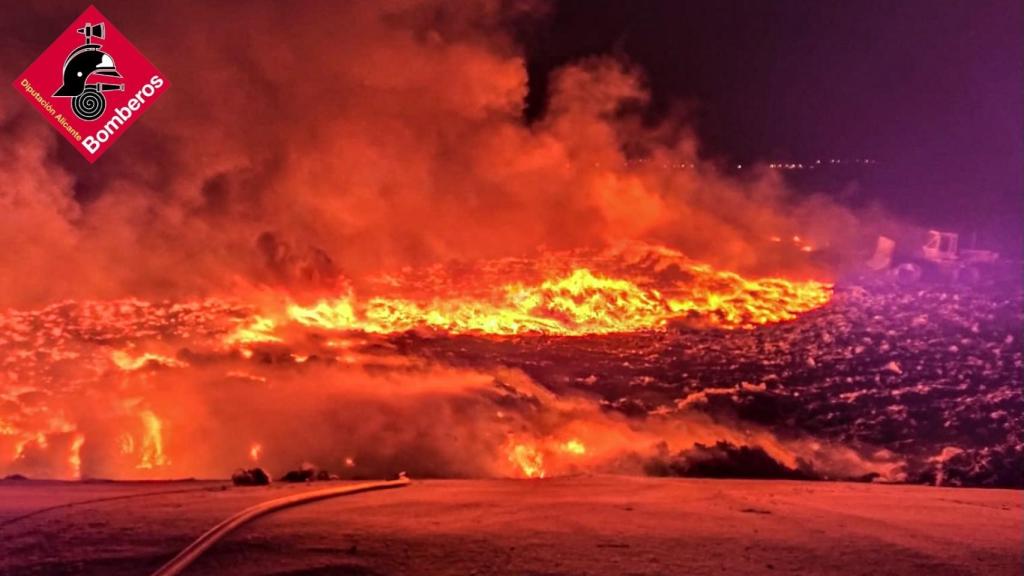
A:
(251, 284)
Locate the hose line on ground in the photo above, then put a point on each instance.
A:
(191, 552)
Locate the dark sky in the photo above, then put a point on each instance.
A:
(932, 89)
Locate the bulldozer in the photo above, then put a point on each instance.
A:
(939, 259)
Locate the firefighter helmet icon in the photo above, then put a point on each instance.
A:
(84, 70)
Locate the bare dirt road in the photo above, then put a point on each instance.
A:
(583, 525)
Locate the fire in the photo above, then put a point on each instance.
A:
(152, 442)
(75, 458)
(580, 303)
(126, 362)
(797, 242)
(254, 331)
(124, 346)
(572, 300)
(731, 300)
(574, 446)
(126, 443)
(526, 458)
(534, 459)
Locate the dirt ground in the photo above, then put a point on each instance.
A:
(583, 525)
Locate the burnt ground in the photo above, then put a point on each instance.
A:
(571, 525)
(932, 374)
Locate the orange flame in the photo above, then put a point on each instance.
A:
(75, 458)
(128, 363)
(257, 330)
(574, 446)
(527, 459)
(532, 459)
(152, 442)
(578, 303)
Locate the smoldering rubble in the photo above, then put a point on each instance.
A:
(931, 374)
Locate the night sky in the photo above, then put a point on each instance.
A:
(931, 89)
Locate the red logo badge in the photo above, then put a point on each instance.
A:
(91, 84)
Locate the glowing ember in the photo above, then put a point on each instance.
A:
(255, 452)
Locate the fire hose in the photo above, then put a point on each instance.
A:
(191, 552)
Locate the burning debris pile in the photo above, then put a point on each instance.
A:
(930, 376)
(594, 373)
(565, 330)
(121, 388)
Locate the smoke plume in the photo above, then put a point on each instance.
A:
(301, 152)
(297, 146)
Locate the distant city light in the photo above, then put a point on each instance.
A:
(810, 165)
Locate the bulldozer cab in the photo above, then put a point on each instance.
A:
(940, 246)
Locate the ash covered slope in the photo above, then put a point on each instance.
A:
(932, 375)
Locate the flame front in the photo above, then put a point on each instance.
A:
(573, 300)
